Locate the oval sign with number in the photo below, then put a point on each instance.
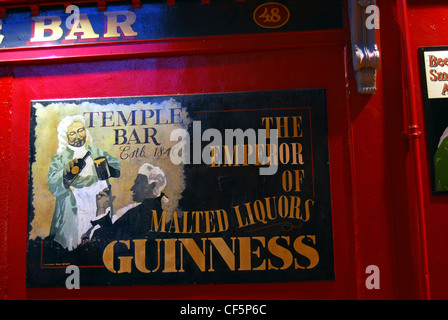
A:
(271, 15)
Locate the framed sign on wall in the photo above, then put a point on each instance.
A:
(182, 189)
(434, 70)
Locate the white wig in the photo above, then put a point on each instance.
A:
(154, 174)
(62, 131)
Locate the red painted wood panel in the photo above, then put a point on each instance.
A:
(226, 72)
(5, 150)
(428, 25)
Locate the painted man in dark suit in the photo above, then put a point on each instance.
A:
(135, 222)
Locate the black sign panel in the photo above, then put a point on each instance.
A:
(156, 20)
(184, 189)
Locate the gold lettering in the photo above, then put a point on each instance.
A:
(197, 215)
(108, 258)
(297, 126)
(170, 255)
(196, 254)
(267, 123)
(297, 157)
(125, 26)
(158, 224)
(308, 252)
(225, 252)
(223, 220)
(1, 27)
(140, 255)
(283, 125)
(209, 226)
(175, 222)
(84, 28)
(42, 32)
(185, 224)
(246, 253)
(262, 266)
(281, 252)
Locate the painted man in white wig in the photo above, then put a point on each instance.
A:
(75, 205)
(133, 221)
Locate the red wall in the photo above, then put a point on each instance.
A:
(266, 70)
(375, 220)
(427, 28)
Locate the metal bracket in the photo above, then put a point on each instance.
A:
(365, 53)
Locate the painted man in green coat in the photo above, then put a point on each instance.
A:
(75, 205)
(441, 164)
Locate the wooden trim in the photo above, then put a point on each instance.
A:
(173, 47)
